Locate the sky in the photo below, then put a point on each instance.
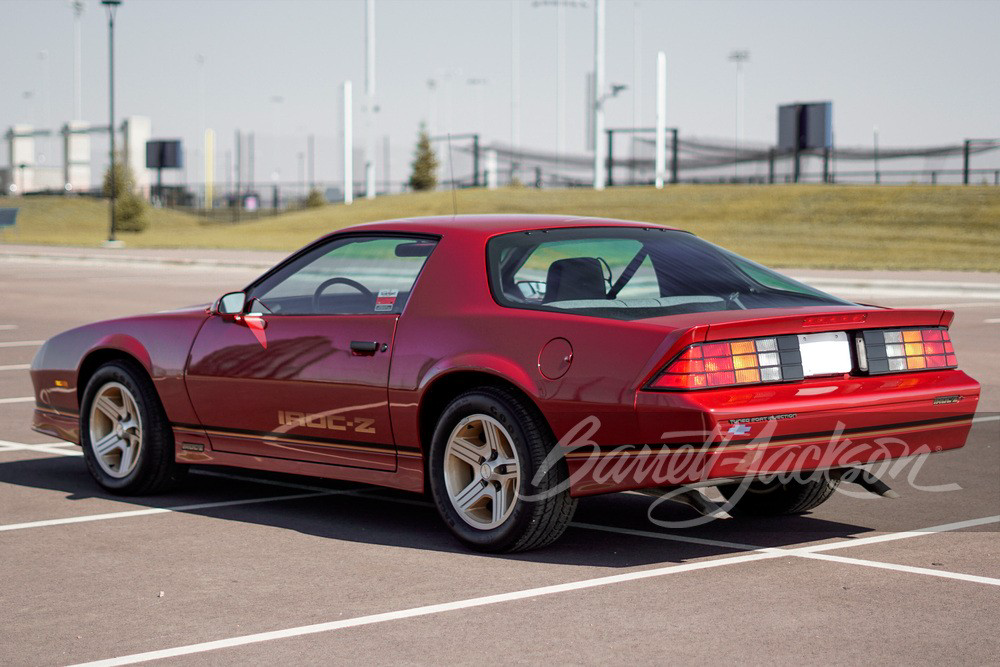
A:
(924, 73)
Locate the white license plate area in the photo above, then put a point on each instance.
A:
(825, 353)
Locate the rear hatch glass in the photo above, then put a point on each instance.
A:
(630, 273)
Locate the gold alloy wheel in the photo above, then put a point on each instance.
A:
(481, 471)
(115, 430)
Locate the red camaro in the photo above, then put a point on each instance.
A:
(508, 365)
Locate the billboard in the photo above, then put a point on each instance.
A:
(804, 126)
(164, 154)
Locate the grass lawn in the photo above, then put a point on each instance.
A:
(909, 227)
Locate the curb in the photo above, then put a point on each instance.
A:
(858, 287)
(904, 288)
(134, 261)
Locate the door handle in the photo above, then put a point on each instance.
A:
(364, 347)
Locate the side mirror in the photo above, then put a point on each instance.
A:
(231, 304)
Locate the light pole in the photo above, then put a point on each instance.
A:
(515, 85)
(29, 114)
(370, 107)
(46, 115)
(112, 8)
(560, 6)
(77, 67)
(276, 101)
(432, 121)
(739, 57)
(598, 94)
(878, 174)
(479, 84)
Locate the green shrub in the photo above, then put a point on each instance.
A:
(130, 208)
(315, 199)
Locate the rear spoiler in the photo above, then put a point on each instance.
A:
(834, 320)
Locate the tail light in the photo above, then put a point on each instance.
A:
(778, 358)
(897, 350)
(736, 362)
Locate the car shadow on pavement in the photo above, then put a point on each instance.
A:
(378, 516)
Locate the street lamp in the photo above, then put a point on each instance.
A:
(560, 6)
(479, 84)
(276, 101)
(111, 6)
(77, 6)
(739, 57)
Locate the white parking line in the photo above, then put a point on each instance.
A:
(15, 367)
(902, 568)
(55, 448)
(427, 610)
(7, 327)
(162, 510)
(891, 537)
(19, 399)
(21, 343)
(992, 320)
(507, 597)
(814, 552)
(985, 418)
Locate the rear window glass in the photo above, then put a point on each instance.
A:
(633, 273)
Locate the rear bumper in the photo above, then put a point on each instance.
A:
(697, 437)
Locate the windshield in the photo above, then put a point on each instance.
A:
(631, 273)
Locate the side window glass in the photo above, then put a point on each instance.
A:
(352, 276)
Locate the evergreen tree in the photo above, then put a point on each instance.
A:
(130, 208)
(425, 163)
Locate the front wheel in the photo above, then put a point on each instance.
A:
(487, 448)
(127, 441)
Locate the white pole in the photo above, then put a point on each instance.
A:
(491, 169)
(369, 99)
(515, 83)
(599, 157)
(77, 57)
(739, 115)
(209, 168)
(200, 60)
(43, 55)
(560, 84)
(661, 118)
(348, 146)
(739, 57)
(636, 83)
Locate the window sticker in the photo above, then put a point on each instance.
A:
(386, 300)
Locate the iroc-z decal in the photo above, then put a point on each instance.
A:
(321, 420)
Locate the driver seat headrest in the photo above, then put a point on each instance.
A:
(575, 278)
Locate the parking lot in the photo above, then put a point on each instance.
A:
(240, 567)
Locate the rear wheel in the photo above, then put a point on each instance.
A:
(775, 498)
(487, 447)
(127, 441)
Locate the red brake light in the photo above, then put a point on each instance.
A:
(724, 364)
(822, 320)
(899, 350)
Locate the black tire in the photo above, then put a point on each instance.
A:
(531, 524)
(156, 469)
(776, 498)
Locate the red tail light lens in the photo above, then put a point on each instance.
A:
(900, 350)
(730, 363)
